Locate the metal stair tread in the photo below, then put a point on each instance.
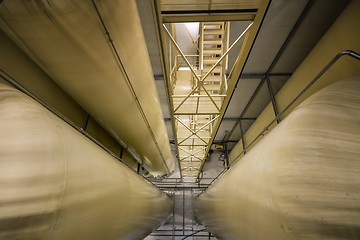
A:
(213, 31)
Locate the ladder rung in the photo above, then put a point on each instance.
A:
(210, 60)
(218, 80)
(213, 31)
(213, 79)
(216, 70)
(212, 87)
(214, 23)
(212, 42)
(212, 51)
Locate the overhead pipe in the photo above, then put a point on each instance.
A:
(57, 184)
(300, 181)
(131, 87)
(103, 65)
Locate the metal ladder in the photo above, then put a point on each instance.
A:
(213, 44)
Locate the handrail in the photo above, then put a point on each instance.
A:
(350, 53)
(216, 178)
(194, 233)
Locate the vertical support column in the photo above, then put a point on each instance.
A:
(201, 47)
(138, 168)
(171, 60)
(242, 136)
(175, 52)
(183, 211)
(121, 152)
(86, 121)
(273, 100)
(227, 37)
(173, 211)
(226, 156)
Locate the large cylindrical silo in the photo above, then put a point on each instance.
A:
(302, 181)
(57, 184)
(95, 50)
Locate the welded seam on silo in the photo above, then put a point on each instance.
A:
(65, 179)
(122, 68)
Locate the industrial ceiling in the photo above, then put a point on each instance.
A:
(268, 39)
(286, 32)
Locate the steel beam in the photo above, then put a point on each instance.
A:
(210, 11)
(237, 119)
(194, 113)
(273, 100)
(253, 96)
(86, 121)
(220, 17)
(242, 137)
(262, 75)
(226, 156)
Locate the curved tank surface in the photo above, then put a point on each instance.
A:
(57, 184)
(302, 181)
(96, 51)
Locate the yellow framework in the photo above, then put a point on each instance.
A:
(198, 91)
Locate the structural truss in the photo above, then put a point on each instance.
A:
(198, 84)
